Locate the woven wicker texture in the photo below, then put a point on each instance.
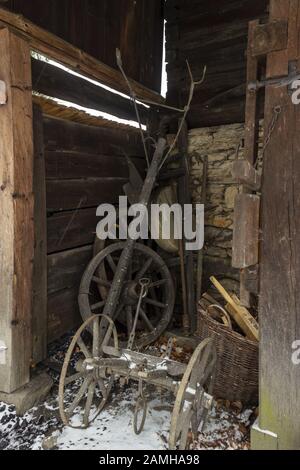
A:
(237, 365)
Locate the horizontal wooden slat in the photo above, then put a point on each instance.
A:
(65, 269)
(63, 195)
(70, 56)
(55, 82)
(72, 165)
(65, 135)
(71, 229)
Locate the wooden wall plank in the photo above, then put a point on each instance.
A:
(63, 195)
(39, 290)
(66, 269)
(97, 28)
(71, 229)
(16, 212)
(212, 34)
(55, 82)
(63, 313)
(70, 136)
(72, 165)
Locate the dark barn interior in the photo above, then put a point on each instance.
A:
(71, 127)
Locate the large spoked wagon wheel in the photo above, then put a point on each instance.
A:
(157, 305)
(83, 392)
(194, 397)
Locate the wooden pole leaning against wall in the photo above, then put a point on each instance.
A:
(16, 212)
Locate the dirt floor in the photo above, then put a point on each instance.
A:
(228, 426)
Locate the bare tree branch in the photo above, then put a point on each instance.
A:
(186, 109)
(133, 97)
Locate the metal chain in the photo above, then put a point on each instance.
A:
(276, 113)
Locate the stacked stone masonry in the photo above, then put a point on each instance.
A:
(219, 144)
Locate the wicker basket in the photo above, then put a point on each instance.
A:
(237, 365)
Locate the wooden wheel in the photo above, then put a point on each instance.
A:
(194, 399)
(83, 392)
(157, 306)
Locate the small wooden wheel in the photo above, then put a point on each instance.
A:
(194, 398)
(157, 306)
(83, 391)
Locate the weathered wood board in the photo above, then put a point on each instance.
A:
(245, 243)
(55, 82)
(279, 309)
(16, 213)
(63, 195)
(212, 34)
(39, 289)
(65, 269)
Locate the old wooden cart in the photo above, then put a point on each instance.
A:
(95, 365)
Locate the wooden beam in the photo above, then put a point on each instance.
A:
(57, 83)
(16, 211)
(39, 288)
(251, 119)
(55, 48)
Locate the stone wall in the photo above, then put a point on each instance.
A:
(219, 144)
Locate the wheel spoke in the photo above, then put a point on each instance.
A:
(101, 282)
(146, 320)
(153, 295)
(96, 337)
(111, 263)
(143, 270)
(184, 419)
(88, 404)
(158, 283)
(73, 378)
(156, 303)
(129, 319)
(208, 372)
(83, 348)
(79, 395)
(97, 305)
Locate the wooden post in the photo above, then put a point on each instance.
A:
(279, 307)
(39, 287)
(184, 197)
(16, 212)
(251, 145)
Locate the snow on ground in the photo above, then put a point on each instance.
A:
(228, 427)
(41, 427)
